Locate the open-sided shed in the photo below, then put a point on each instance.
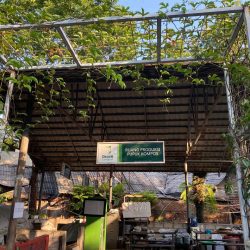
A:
(191, 125)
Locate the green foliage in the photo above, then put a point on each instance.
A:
(200, 193)
(113, 76)
(78, 195)
(45, 89)
(245, 164)
(118, 192)
(2, 198)
(240, 74)
(229, 187)
(229, 142)
(240, 78)
(43, 216)
(104, 188)
(147, 196)
(81, 192)
(12, 136)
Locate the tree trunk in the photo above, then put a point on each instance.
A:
(199, 211)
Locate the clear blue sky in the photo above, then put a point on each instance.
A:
(148, 5)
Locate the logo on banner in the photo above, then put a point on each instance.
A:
(108, 153)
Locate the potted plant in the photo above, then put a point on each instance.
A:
(38, 220)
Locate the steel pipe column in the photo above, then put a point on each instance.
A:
(236, 156)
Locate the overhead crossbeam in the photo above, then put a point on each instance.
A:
(234, 34)
(68, 44)
(115, 63)
(167, 15)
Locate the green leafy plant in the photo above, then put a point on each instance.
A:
(79, 193)
(160, 218)
(2, 198)
(245, 164)
(201, 194)
(43, 216)
(117, 192)
(146, 196)
(104, 188)
(229, 187)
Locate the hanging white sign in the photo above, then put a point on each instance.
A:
(136, 209)
(18, 210)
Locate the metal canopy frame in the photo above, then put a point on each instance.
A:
(192, 134)
(241, 15)
(158, 19)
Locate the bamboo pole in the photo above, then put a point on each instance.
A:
(111, 188)
(11, 236)
(187, 198)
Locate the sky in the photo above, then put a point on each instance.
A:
(148, 5)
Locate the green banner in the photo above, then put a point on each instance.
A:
(141, 152)
(130, 152)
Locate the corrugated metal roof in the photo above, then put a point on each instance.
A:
(8, 175)
(126, 115)
(11, 158)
